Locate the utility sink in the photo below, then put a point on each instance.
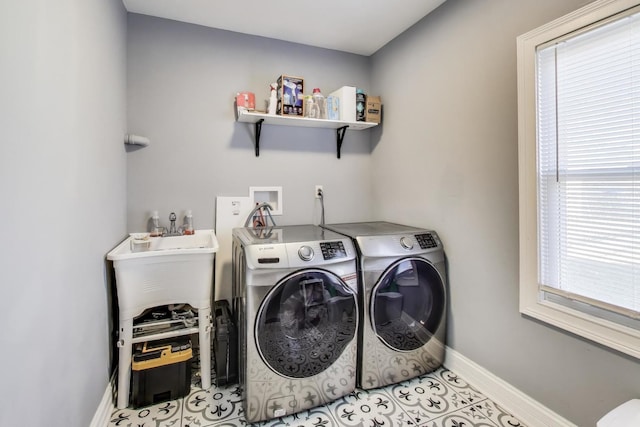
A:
(202, 241)
(172, 270)
(163, 271)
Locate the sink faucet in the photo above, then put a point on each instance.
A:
(172, 227)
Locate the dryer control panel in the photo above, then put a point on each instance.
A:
(399, 244)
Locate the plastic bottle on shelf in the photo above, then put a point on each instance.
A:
(361, 103)
(188, 224)
(321, 104)
(309, 107)
(156, 230)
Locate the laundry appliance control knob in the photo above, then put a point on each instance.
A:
(406, 243)
(305, 253)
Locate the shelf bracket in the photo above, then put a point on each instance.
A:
(340, 137)
(258, 130)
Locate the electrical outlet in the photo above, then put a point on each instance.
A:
(318, 191)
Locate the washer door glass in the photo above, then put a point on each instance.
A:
(305, 323)
(407, 304)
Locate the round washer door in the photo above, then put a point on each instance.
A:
(305, 322)
(407, 304)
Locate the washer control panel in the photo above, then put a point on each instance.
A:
(305, 253)
(406, 242)
(331, 250)
(426, 241)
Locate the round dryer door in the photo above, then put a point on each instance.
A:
(305, 323)
(407, 304)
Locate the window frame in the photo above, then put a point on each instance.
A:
(604, 332)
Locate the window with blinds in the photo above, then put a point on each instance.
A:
(588, 169)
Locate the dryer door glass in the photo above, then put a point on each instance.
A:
(305, 323)
(407, 304)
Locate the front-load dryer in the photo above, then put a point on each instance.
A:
(294, 301)
(402, 296)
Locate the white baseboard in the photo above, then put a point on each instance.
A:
(529, 411)
(105, 409)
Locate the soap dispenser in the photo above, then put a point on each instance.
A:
(188, 224)
(156, 230)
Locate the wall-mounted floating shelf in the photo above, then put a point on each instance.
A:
(260, 118)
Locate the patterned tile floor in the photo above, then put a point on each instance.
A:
(438, 399)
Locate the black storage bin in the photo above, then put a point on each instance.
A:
(161, 371)
(225, 345)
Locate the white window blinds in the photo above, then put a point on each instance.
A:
(588, 106)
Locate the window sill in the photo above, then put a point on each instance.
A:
(609, 334)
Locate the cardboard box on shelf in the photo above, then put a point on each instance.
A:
(373, 111)
(333, 107)
(290, 96)
(245, 101)
(347, 100)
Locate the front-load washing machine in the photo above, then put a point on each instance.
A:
(402, 296)
(294, 301)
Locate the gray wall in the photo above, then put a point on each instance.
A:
(62, 186)
(182, 80)
(447, 155)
